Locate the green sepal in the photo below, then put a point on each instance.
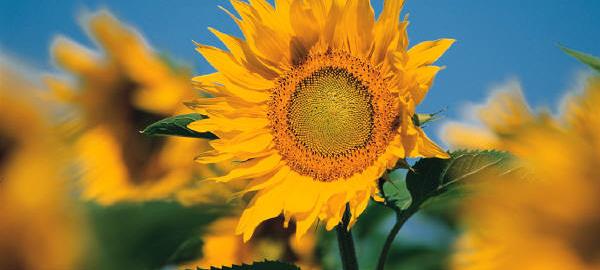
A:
(178, 126)
(419, 119)
(590, 60)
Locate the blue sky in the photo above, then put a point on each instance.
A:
(496, 40)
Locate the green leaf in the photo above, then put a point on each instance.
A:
(396, 190)
(432, 177)
(177, 126)
(590, 60)
(266, 265)
(148, 235)
(425, 180)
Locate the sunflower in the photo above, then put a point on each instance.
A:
(316, 102)
(39, 227)
(550, 221)
(115, 95)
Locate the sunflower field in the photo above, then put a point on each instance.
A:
(299, 134)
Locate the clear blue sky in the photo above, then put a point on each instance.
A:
(496, 40)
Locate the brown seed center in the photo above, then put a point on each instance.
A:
(330, 112)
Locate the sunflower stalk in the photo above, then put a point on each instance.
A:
(346, 243)
(402, 215)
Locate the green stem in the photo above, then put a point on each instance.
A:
(346, 243)
(401, 217)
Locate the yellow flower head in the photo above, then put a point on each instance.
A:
(118, 92)
(316, 102)
(550, 221)
(38, 226)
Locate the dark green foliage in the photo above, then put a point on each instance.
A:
(590, 60)
(425, 179)
(266, 265)
(187, 251)
(432, 176)
(147, 235)
(177, 126)
(434, 182)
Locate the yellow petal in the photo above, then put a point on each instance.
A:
(74, 57)
(304, 223)
(250, 169)
(267, 181)
(336, 207)
(267, 37)
(385, 29)
(427, 148)
(250, 142)
(208, 82)
(304, 196)
(365, 20)
(425, 53)
(266, 204)
(354, 29)
(424, 78)
(397, 151)
(460, 136)
(305, 24)
(217, 85)
(111, 33)
(61, 90)
(232, 70)
(106, 177)
(506, 110)
(227, 124)
(212, 156)
(243, 54)
(361, 201)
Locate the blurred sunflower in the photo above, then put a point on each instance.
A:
(116, 95)
(317, 103)
(119, 94)
(504, 112)
(221, 235)
(271, 243)
(39, 227)
(551, 221)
